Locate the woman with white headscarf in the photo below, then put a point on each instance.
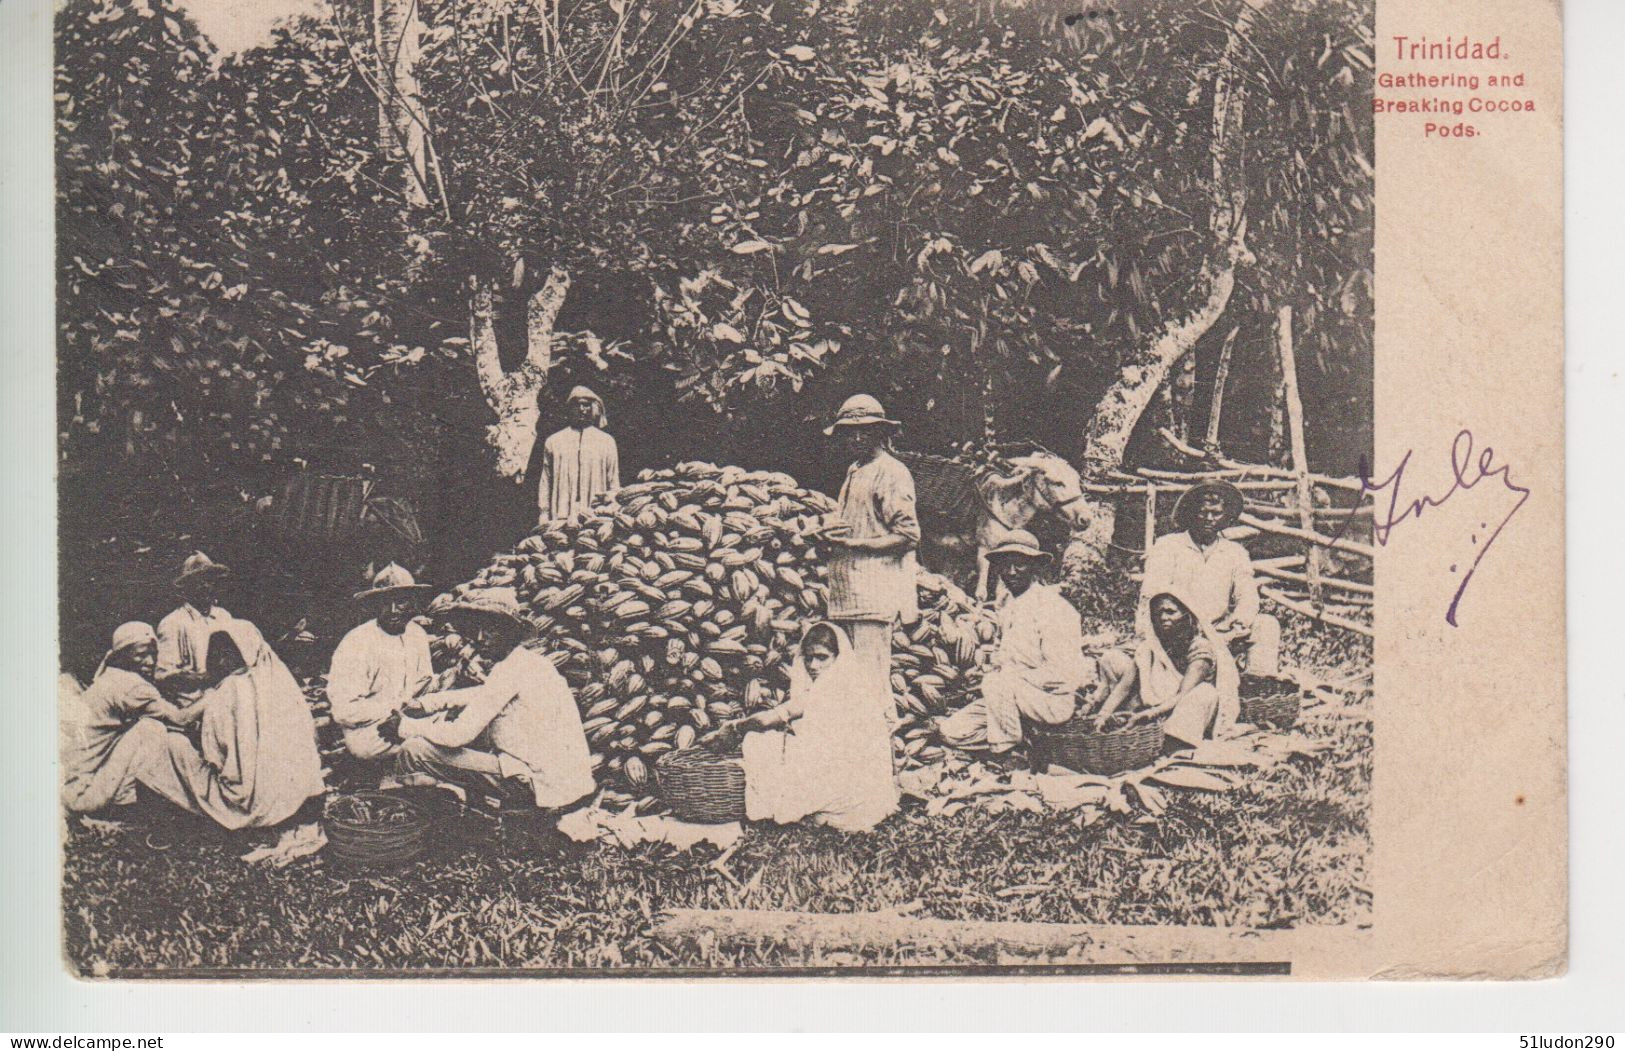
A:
(1182, 669)
(258, 764)
(824, 754)
(111, 738)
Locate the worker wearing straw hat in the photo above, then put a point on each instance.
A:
(1039, 665)
(579, 462)
(533, 748)
(381, 664)
(872, 536)
(183, 636)
(1215, 574)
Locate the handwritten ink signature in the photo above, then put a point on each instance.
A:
(1467, 472)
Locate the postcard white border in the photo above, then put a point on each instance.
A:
(39, 997)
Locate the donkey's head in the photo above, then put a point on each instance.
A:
(1053, 485)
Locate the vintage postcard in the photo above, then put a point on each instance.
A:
(1058, 488)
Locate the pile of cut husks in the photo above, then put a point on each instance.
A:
(676, 603)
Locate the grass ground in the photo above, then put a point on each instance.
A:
(1290, 848)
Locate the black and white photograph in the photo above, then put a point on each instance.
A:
(716, 487)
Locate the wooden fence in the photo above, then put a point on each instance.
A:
(1331, 579)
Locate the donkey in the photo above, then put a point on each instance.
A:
(965, 508)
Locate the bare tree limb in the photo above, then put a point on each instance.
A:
(540, 314)
(482, 340)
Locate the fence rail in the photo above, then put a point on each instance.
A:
(1304, 584)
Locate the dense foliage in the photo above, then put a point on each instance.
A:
(971, 210)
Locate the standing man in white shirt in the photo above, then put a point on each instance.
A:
(579, 462)
(872, 536)
(1216, 574)
(183, 635)
(517, 735)
(381, 664)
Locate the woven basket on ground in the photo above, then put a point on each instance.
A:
(701, 785)
(375, 828)
(1270, 700)
(1079, 745)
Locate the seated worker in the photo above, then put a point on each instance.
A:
(183, 636)
(1181, 669)
(258, 765)
(825, 753)
(112, 738)
(1216, 574)
(1039, 664)
(381, 664)
(516, 734)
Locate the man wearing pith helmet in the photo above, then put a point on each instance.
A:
(1215, 573)
(517, 735)
(872, 537)
(183, 635)
(381, 664)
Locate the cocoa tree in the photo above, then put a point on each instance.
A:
(513, 394)
(854, 166)
(748, 208)
(1143, 374)
(188, 306)
(552, 134)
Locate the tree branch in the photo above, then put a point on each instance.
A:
(1121, 407)
(482, 340)
(383, 106)
(540, 314)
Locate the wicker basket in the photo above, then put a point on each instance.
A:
(702, 786)
(1078, 746)
(1269, 700)
(379, 844)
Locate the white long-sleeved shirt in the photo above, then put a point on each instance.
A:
(371, 675)
(577, 465)
(877, 499)
(526, 711)
(1217, 579)
(183, 639)
(98, 718)
(1041, 641)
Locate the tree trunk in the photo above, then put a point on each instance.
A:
(541, 312)
(512, 395)
(1140, 378)
(1278, 447)
(1300, 458)
(1221, 378)
(402, 123)
(1184, 397)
